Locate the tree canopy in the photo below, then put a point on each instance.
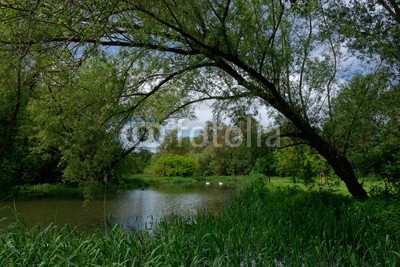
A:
(286, 55)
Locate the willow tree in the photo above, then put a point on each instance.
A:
(277, 53)
(366, 124)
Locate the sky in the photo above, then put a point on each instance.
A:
(192, 127)
(203, 112)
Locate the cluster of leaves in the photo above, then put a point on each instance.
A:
(76, 120)
(301, 162)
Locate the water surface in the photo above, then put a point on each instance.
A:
(134, 209)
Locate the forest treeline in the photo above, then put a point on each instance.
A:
(223, 150)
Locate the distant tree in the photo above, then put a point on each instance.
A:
(266, 165)
(288, 162)
(300, 162)
(176, 144)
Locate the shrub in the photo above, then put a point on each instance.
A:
(174, 165)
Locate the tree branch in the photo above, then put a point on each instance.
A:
(2, 5)
(396, 13)
(204, 99)
(107, 43)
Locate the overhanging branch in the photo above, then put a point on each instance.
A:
(205, 99)
(104, 43)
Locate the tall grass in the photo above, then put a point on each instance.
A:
(260, 227)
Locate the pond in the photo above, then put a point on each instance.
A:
(134, 209)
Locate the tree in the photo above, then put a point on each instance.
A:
(137, 162)
(264, 51)
(86, 118)
(366, 124)
(18, 79)
(369, 134)
(176, 144)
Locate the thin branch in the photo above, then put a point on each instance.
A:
(244, 95)
(353, 120)
(333, 76)
(396, 7)
(271, 39)
(156, 89)
(291, 134)
(303, 64)
(2, 5)
(107, 43)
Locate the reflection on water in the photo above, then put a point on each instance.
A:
(136, 209)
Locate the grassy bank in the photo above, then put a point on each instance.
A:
(140, 181)
(146, 180)
(271, 226)
(58, 190)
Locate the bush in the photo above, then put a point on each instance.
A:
(174, 165)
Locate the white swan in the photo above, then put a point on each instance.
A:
(207, 183)
(220, 183)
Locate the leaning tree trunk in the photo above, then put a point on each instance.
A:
(344, 170)
(336, 160)
(271, 95)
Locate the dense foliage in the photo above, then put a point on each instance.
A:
(174, 165)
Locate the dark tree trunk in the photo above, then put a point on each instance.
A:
(11, 127)
(344, 170)
(336, 160)
(340, 165)
(12, 124)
